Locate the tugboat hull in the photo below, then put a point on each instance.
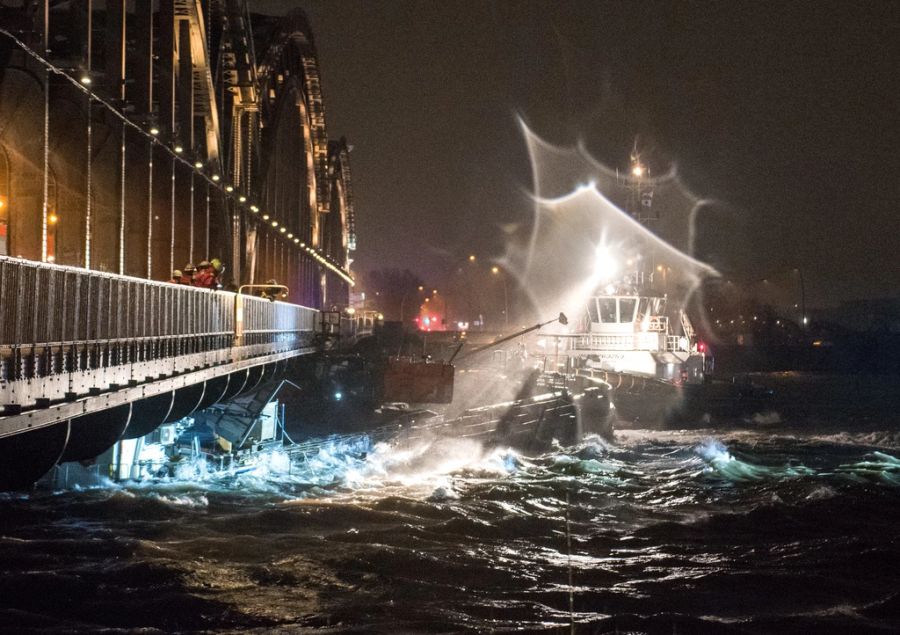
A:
(645, 402)
(548, 409)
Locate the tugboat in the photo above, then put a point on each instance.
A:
(634, 335)
(649, 358)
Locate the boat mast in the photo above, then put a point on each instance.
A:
(639, 205)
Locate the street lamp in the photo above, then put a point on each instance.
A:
(495, 270)
(803, 319)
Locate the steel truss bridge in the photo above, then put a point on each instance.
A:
(135, 138)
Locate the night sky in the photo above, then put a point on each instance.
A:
(787, 112)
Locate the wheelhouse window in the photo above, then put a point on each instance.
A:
(626, 309)
(592, 310)
(644, 307)
(608, 310)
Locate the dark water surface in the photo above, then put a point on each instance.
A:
(710, 531)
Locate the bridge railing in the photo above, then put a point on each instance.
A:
(57, 320)
(264, 321)
(43, 304)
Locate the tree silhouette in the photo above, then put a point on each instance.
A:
(394, 291)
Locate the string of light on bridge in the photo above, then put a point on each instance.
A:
(176, 153)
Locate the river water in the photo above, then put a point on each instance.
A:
(766, 530)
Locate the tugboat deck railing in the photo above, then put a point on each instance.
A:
(629, 342)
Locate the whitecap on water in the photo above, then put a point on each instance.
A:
(823, 492)
(768, 418)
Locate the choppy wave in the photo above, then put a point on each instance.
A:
(699, 531)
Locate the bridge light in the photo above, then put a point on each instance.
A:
(297, 240)
(303, 245)
(198, 164)
(254, 209)
(274, 223)
(178, 149)
(52, 218)
(229, 188)
(471, 257)
(283, 229)
(154, 131)
(216, 177)
(265, 217)
(86, 80)
(638, 169)
(242, 198)
(290, 235)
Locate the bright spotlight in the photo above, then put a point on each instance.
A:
(605, 264)
(638, 170)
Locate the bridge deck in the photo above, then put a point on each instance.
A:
(74, 341)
